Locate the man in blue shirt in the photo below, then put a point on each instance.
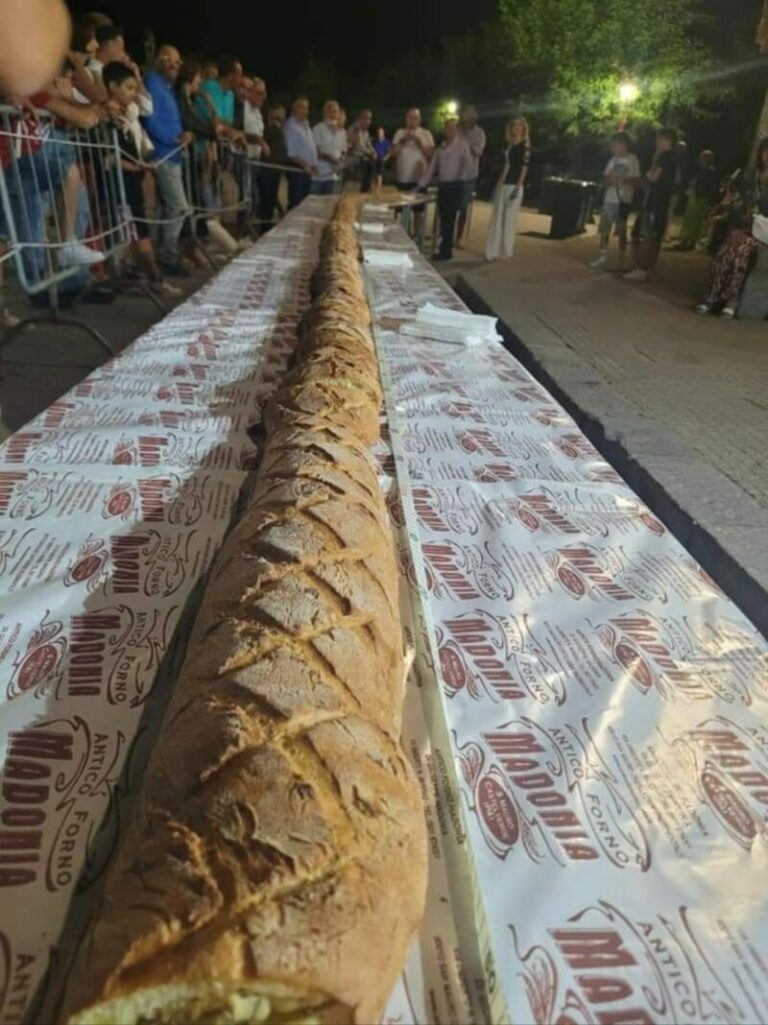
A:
(301, 150)
(165, 130)
(222, 89)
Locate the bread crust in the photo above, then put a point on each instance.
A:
(278, 842)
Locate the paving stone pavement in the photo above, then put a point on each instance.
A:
(43, 362)
(677, 402)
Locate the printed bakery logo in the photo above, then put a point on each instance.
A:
(510, 374)
(605, 474)
(486, 442)
(57, 413)
(551, 416)
(113, 654)
(169, 419)
(458, 571)
(530, 393)
(39, 665)
(185, 392)
(575, 446)
(543, 510)
(12, 483)
(18, 980)
(197, 371)
(146, 450)
(88, 567)
(16, 449)
(55, 773)
(458, 410)
(585, 570)
(550, 792)
(148, 563)
(206, 346)
(441, 511)
(602, 968)
(488, 657)
(659, 653)
(492, 473)
(730, 763)
(158, 500)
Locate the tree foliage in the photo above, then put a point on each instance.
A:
(578, 52)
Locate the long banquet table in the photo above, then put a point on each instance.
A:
(586, 709)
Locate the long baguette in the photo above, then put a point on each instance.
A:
(275, 867)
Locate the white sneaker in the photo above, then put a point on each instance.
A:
(75, 254)
(637, 275)
(703, 308)
(7, 320)
(599, 263)
(728, 312)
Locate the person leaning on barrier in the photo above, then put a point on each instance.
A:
(206, 131)
(169, 138)
(271, 176)
(253, 126)
(43, 175)
(82, 49)
(300, 150)
(122, 88)
(221, 90)
(331, 142)
(34, 35)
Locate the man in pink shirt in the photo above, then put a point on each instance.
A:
(451, 164)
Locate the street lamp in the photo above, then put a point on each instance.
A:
(628, 93)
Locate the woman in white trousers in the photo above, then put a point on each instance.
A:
(508, 196)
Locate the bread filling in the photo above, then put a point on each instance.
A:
(212, 1004)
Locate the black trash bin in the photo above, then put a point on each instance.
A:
(572, 203)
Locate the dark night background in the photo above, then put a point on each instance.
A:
(275, 40)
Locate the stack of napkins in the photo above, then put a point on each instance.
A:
(378, 208)
(372, 227)
(452, 326)
(387, 258)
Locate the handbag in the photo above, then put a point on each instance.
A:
(760, 228)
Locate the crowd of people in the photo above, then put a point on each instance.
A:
(729, 219)
(188, 123)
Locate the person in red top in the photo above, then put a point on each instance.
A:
(40, 167)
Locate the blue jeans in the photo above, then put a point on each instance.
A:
(325, 187)
(33, 181)
(255, 191)
(299, 184)
(173, 207)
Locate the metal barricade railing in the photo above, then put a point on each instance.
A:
(217, 181)
(62, 206)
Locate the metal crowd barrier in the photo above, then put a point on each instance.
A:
(61, 192)
(217, 181)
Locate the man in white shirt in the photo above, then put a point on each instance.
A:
(412, 149)
(474, 136)
(331, 141)
(253, 125)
